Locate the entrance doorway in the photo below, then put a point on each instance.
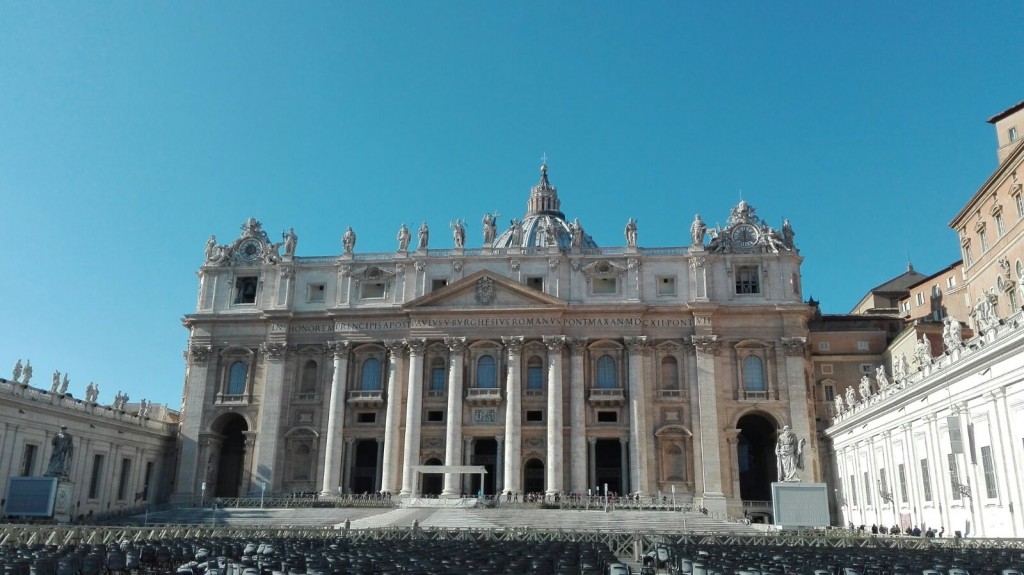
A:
(232, 455)
(431, 483)
(756, 457)
(533, 476)
(364, 467)
(485, 452)
(608, 466)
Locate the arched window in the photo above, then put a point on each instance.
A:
(535, 373)
(236, 378)
(606, 376)
(485, 372)
(669, 373)
(753, 374)
(370, 380)
(309, 374)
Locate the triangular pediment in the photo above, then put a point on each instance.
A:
(485, 290)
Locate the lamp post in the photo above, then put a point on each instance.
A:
(263, 491)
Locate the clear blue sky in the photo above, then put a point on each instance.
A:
(131, 131)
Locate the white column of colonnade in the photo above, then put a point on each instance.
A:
(453, 431)
(392, 419)
(638, 432)
(555, 454)
(335, 416)
(513, 417)
(577, 418)
(413, 416)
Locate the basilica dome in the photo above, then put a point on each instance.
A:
(544, 223)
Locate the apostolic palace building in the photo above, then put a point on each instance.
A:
(556, 365)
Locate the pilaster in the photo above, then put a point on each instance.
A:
(269, 424)
(710, 466)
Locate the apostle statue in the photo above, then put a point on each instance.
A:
(55, 383)
(60, 459)
(458, 233)
(64, 385)
(839, 405)
(490, 228)
(630, 233)
(423, 236)
(865, 388)
(348, 241)
(290, 242)
(923, 351)
(851, 399)
(883, 380)
(787, 235)
(404, 235)
(17, 372)
(576, 233)
(517, 232)
(789, 455)
(952, 338)
(27, 374)
(698, 229)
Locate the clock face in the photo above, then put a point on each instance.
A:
(744, 235)
(250, 249)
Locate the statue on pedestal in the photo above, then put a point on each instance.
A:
(290, 242)
(404, 235)
(631, 233)
(865, 388)
(458, 233)
(55, 383)
(883, 380)
(952, 338)
(64, 385)
(698, 229)
(490, 228)
(17, 372)
(60, 459)
(851, 399)
(789, 454)
(923, 351)
(348, 241)
(27, 374)
(423, 236)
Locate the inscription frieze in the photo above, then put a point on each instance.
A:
(501, 321)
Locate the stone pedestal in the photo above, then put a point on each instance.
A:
(62, 502)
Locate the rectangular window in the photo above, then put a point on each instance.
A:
(968, 256)
(747, 280)
(535, 282)
(604, 286)
(830, 393)
(1019, 200)
(906, 306)
(372, 290)
(534, 415)
(926, 481)
(867, 368)
(97, 476)
(435, 416)
(951, 282)
(903, 483)
(666, 285)
(122, 480)
(607, 416)
(867, 489)
(535, 378)
(245, 289)
(862, 346)
(883, 483)
(853, 489)
(983, 241)
(826, 369)
(437, 379)
(1000, 227)
(366, 417)
(1013, 300)
(990, 472)
(920, 298)
(823, 346)
(1012, 134)
(28, 460)
(148, 478)
(315, 293)
(954, 476)
(438, 283)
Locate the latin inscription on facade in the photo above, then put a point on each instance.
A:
(495, 321)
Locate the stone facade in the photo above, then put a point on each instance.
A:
(558, 365)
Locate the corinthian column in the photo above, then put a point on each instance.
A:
(577, 418)
(335, 416)
(271, 395)
(555, 454)
(707, 407)
(513, 416)
(453, 431)
(413, 415)
(638, 431)
(392, 418)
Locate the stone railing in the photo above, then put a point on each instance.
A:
(972, 347)
(66, 402)
(477, 252)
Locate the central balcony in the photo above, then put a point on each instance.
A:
(607, 396)
(483, 396)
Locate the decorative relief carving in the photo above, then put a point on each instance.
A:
(794, 346)
(553, 264)
(706, 344)
(485, 291)
(533, 442)
(555, 343)
(346, 271)
(287, 272)
(514, 344)
(420, 265)
(340, 348)
(633, 264)
(575, 264)
(275, 350)
(457, 345)
(433, 442)
(416, 346)
(514, 264)
(697, 263)
(457, 265)
(400, 270)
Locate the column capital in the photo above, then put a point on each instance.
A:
(340, 348)
(275, 350)
(199, 353)
(555, 343)
(350, 441)
(706, 344)
(592, 440)
(624, 440)
(577, 345)
(457, 345)
(500, 439)
(416, 345)
(514, 343)
(794, 346)
(395, 346)
(637, 345)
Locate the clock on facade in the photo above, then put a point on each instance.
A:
(250, 249)
(744, 235)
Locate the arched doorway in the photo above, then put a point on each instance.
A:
(432, 483)
(232, 428)
(756, 457)
(485, 452)
(533, 476)
(608, 466)
(364, 467)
